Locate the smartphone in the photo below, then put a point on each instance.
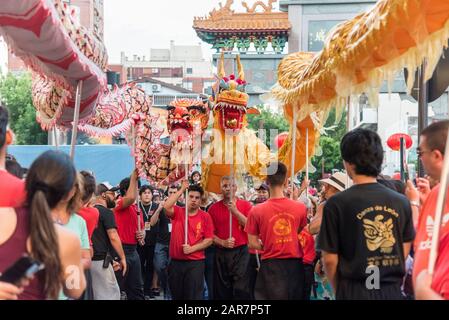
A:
(24, 268)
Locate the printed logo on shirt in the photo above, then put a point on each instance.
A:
(430, 223)
(379, 234)
(282, 227)
(302, 240)
(198, 230)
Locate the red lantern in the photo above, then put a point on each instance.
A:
(394, 141)
(280, 139)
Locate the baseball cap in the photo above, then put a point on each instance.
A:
(109, 186)
(263, 186)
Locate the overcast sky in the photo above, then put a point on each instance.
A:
(136, 26)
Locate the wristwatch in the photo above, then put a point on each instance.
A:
(415, 203)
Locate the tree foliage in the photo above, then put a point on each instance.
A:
(270, 121)
(330, 146)
(15, 94)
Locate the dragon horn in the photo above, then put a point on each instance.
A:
(240, 69)
(221, 69)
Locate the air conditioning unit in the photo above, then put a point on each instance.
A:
(156, 87)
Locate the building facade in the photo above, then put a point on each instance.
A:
(312, 20)
(259, 34)
(183, 66)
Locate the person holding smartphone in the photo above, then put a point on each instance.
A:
(30, 230)
(9, 291)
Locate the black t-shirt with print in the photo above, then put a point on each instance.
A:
(367, 225)
(163, 236)
(100, 239)
(148, 211)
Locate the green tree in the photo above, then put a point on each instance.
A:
(330, 146)
(270, 121)
(15, 94)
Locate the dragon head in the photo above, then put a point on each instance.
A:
(185, 116)
(231, 99)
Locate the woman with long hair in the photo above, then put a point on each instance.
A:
(33, 230)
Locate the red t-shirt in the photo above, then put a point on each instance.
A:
(90, 215)
(200, 227)
(12, 190)
(307, 242)
(220, 217)
(126, 220)
(440, 283)
(423, 238)
(277, 222)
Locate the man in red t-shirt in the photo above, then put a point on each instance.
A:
(431, 151)
(12, 189)
(274, 226)
(231, 281)
(126, 217)
(186, 268)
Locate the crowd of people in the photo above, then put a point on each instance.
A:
(362, 235)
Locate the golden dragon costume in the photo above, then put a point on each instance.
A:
(232, 143)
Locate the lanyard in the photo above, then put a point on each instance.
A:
(145, 212)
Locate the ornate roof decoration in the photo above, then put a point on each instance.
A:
(224, 28)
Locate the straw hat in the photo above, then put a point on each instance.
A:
(338, 180)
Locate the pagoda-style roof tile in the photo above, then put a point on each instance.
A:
(225, 20)
(272, 21)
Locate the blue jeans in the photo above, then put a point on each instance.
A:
(160, 261)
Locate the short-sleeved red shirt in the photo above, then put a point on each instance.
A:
(12, 190)
(126, 220)
(423, 239)
(440, 283)
(277, 222)
(307, 243)
(200, 227)
(220, 217)
(90, 215)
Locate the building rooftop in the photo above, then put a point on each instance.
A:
(283, 5)
(225, 20)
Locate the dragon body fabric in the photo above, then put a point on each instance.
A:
(357, 57)
(60, 53)
(232, 143)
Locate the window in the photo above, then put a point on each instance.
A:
(188, 85)
(155, 70)
(189, 70)
(208, 84)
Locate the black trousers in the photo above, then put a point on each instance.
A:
(209, 271)
(186, 279)
(133, 284)
(357, 290)
(309, 279)
(146, 255)
(280, 279)
(231, 281)
(252, 274)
